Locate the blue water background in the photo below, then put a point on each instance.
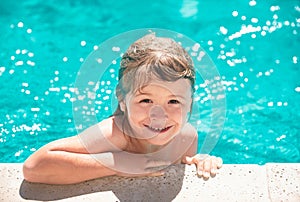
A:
(255, 45)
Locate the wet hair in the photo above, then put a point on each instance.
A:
(149, 58)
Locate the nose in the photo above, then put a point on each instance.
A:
(158, 117)
(157, 113)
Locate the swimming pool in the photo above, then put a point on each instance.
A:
(255, 46)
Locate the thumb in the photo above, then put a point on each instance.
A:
(188, 160)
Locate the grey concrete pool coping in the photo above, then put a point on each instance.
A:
(234, 182)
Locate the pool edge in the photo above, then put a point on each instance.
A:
(234, 182)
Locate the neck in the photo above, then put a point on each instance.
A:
(136, 145)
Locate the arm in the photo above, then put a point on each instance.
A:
(92, 154)
(64, 161)
(69, 160)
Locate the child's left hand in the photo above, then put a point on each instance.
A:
(206, 165)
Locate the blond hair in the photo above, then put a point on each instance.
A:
(149, 58)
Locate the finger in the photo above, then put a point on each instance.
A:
(207, 167)
(219, 162)
(199, 165)
(214, 167)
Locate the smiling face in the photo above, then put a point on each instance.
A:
(156, 81)
(158, 111)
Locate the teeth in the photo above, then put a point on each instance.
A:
(156, 129)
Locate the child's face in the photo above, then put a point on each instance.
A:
(159, 110)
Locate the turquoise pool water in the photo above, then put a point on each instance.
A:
(254, 44)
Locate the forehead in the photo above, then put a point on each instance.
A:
(179, 87)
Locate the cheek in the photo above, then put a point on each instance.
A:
(175, 113)
(137, 113)
(179, 114)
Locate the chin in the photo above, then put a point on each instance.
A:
(161, 139)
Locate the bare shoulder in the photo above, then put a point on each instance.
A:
(113, 133)
(116, 134)
(104, 136)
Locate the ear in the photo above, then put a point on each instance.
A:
(122, 106)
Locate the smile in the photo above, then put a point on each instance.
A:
(158, 130)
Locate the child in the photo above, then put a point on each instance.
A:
(148, 131)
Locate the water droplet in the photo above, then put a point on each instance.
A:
(295, 60)
(30, 54)
(116, 49)
(83, 43)
(223, 30)
(30, 63)
(99, 60)
(24, 51)
(35, 109)
(20, 24)
(254, 20)
(19, 63)
(252, 3)
(195, 48)
(234, 13)
(274, 8)
(25, 84)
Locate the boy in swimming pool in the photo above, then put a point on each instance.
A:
(148, 131)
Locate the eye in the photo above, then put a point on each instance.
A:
(174, 102)
(145, 101)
